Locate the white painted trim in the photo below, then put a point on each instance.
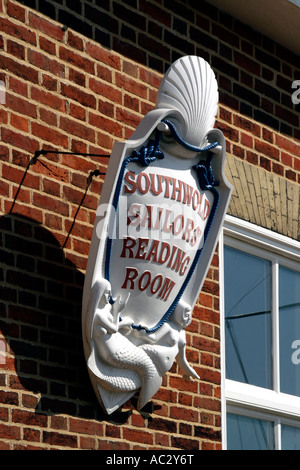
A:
(222, 341)
(262, 399)
(244, 398)
(264, 238)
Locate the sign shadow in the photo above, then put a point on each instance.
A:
(40, 323)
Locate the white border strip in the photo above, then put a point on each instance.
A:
(259, 236)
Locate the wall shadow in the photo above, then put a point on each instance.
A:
(40, 319)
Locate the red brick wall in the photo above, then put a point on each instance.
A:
(65, 91)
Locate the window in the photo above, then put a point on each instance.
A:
(296, 2)
(260, 338)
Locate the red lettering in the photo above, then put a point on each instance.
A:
(165, 228)
(188, 229)
(153, 251)
(128, 175)
(163, 257)
(128, 244)
(197, 233)
(177, 189)
(178, 260)
(177, 230)
(188, 193)
(143, 242)
(196, 200)
(146, 275)
(166, 289)
(154, 288)
(168, 180)
(134, 211)
(184, 265)
(143, 188)
(206, 209)
(147, 220)
(155, 191)
(172, 256)
(131, 275)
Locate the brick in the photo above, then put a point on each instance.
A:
(10, 432)
(185, 443)
(18, 31)
(9, 398)
(19, 140)
(49, 203)
(247, 125)
(246, 94)
(104, 90)
(17, 86)
(266, 149)
(126, 117)
(105, 124)
(47, 45)
(19, 122)
(77, 129)
(247, 140)
(29, 418)
(51, 170)
(46, 63)
(60, 439)
(288, 144)
(139, 436)
(225, 35)
(20, 69)
(75, 41)
(208, 41)
(184, 414)
(76, 59)
(48, 98)
(82, 426)
(246, 63)
(49, 135)
(208, 433)
(17, 103)
(16, 49)
(84, 98)
(77, 77)
(3, 116)
(48, 117)
(102, 55)
(45, 26)
(32, 435)
(77, 112)
(130, 85)
(287, 159)
(78, 197)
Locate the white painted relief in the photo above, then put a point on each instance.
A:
(160, 213)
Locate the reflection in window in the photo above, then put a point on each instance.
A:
(248, 327)
(290, 438)
(245, 433)
(289, 330)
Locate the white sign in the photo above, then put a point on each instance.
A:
(161, 210)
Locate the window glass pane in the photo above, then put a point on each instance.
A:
(290, 438)
(244, 433)
(289, 330)
(248, 329)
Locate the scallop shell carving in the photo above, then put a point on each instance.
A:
(190, 87)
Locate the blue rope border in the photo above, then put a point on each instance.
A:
(145, 156)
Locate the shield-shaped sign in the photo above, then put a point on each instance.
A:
(162, 206)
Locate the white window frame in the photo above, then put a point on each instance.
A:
(241, 398)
